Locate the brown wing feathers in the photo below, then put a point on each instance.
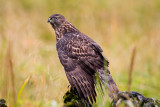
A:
(84, 84)
(80, 78)
(80, 66)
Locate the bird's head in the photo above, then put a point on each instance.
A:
(56, 20)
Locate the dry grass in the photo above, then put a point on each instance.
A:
(115, 25)
(131, 68)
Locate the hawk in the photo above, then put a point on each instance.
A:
(81, 58)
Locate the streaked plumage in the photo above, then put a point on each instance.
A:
(81, 58)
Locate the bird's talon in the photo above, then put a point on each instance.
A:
(69, 88)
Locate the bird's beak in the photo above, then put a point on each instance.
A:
(49, 20)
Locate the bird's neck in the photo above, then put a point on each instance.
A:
(68, 28)
(65, 28)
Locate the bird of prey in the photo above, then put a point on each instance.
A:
(81, 58)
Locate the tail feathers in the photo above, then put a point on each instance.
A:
(108, 81)
(112, 87)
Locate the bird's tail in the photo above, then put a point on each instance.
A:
(108, 81)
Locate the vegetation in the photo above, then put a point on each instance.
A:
(30, 72)
(125, 99)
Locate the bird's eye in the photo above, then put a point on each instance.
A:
(56, 18)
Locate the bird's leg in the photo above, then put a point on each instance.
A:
(69, 87)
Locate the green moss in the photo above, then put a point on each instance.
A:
(72, 99)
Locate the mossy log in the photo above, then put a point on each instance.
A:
(127, 99)
(134, 99)
(72, 99)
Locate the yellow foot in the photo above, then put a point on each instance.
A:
(69, 88)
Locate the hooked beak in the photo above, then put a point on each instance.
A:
(49, 20)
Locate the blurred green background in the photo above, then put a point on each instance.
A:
(28, 46)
